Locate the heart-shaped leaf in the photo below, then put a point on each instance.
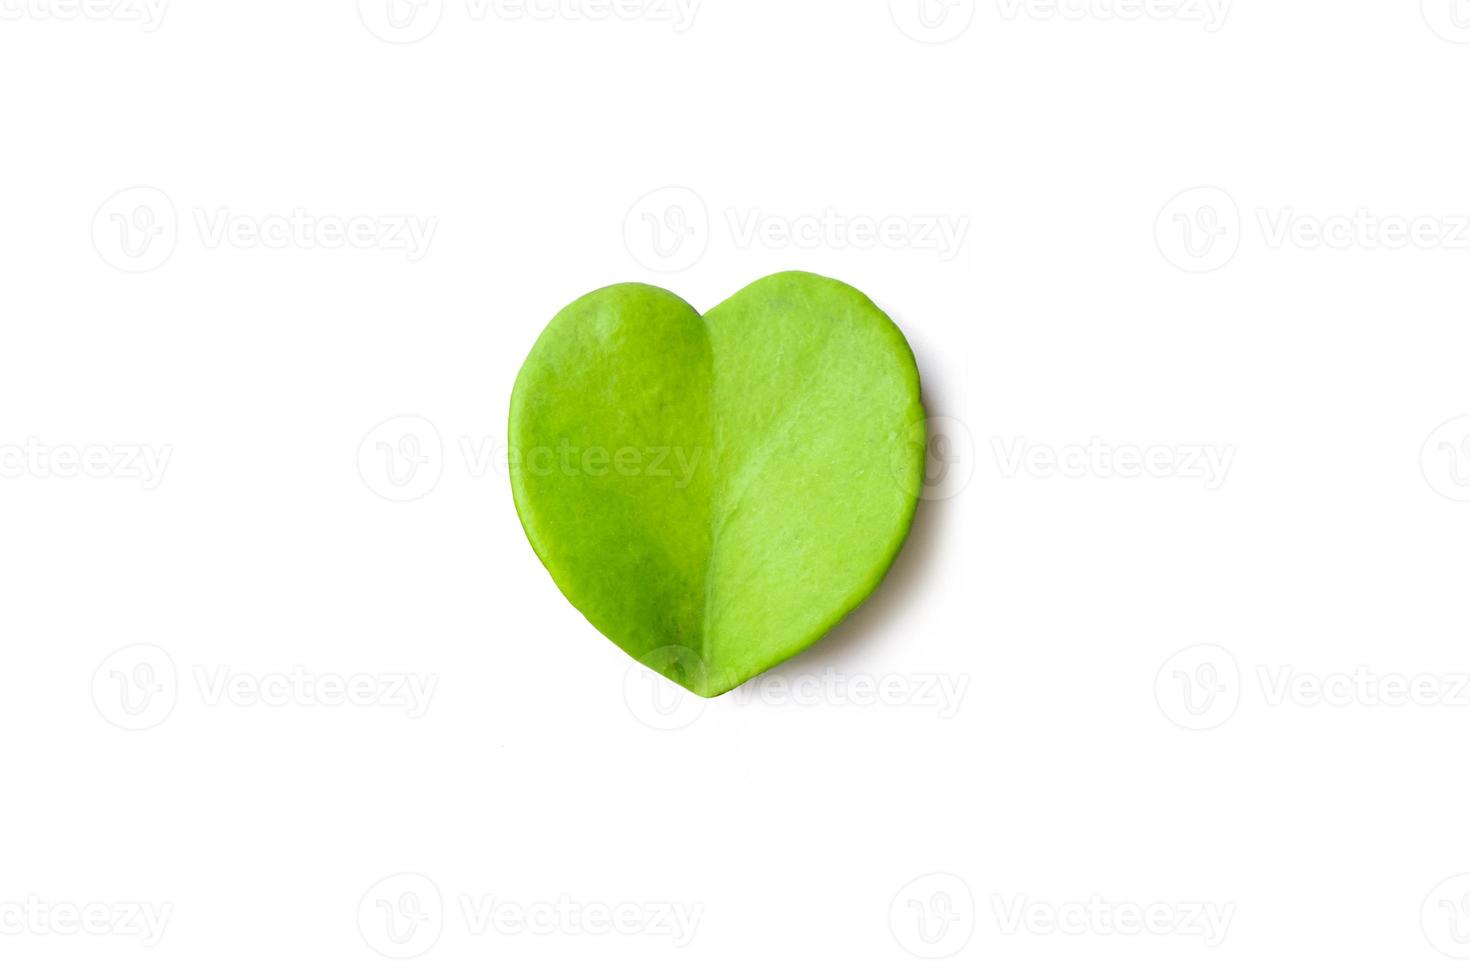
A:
(715, 493)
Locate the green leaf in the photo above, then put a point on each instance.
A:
(715, 493)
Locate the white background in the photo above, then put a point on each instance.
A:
(1139, 188)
